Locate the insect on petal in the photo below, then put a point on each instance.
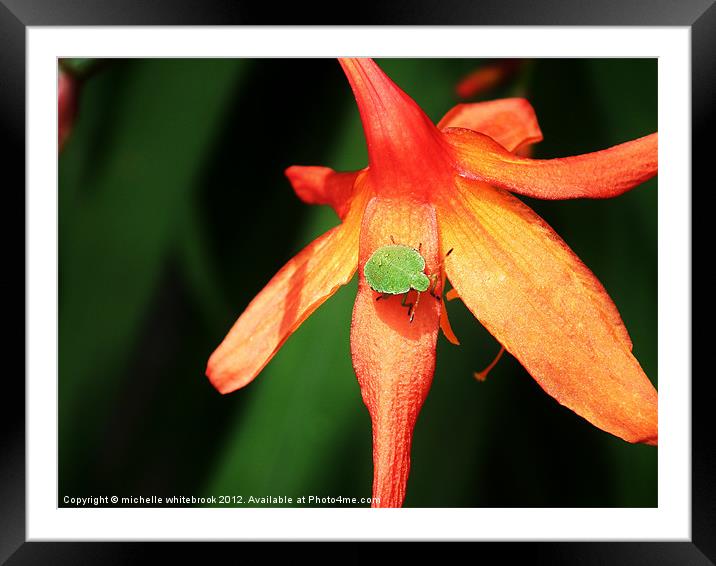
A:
(393, 358)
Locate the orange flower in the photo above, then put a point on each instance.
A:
(442, 187)
(488, 77)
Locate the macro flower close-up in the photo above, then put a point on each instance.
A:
(447, 192)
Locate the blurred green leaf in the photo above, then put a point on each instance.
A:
(132, 163)
(78, 67)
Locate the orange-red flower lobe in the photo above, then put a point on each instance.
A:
(322, 185)
(602, 174)
(394, 358)
(487, 77)
(511, 122)
(407, 155)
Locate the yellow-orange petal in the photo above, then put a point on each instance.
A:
(601, 174)
(549, 311)
(297, 290)
(393, 358)
(511, 122)
(323, 185)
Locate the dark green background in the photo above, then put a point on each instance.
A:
(174, 212)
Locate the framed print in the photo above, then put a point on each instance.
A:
(280, 278)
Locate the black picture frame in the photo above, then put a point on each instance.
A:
(17, 15)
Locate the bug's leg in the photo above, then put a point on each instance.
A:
(434, 279)
(415, 306)
(392, 239)
(409, 306)
(382, 296)
(405, 302)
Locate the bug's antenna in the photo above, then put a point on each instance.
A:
(442, 261)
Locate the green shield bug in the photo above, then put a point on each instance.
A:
(396, 270)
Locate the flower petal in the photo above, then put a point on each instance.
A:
(602, 174)
(407, 155)
(549, 311)
(487, 77)
(452, 294)
(511, 122)
(446, 327)
(323, 185)
(393, 358)
(297, 290)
